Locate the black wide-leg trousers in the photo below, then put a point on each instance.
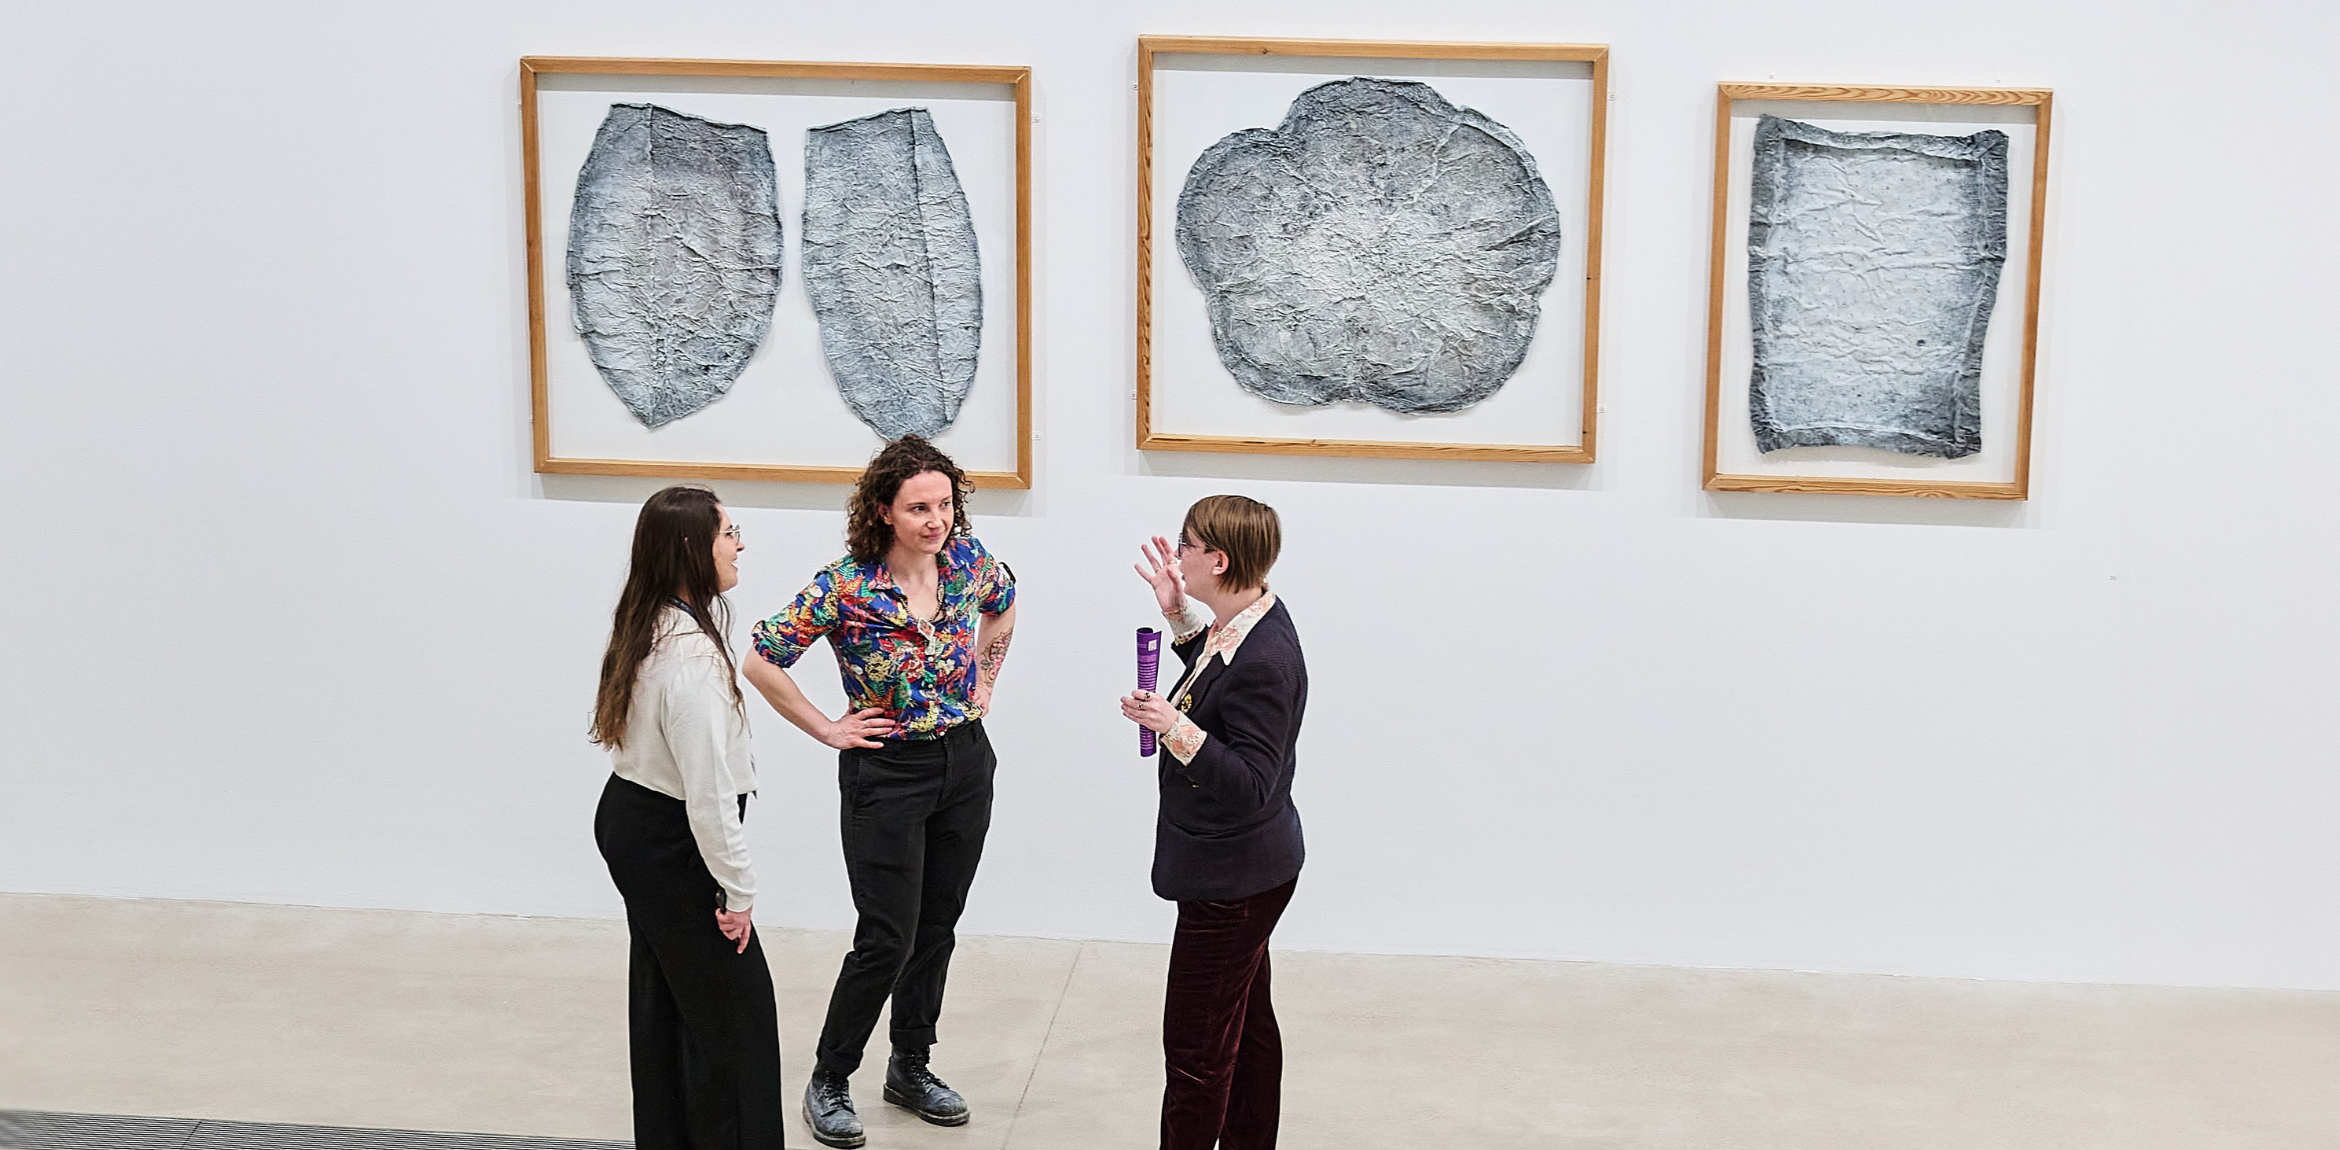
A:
(912, 815)
(705, 1037)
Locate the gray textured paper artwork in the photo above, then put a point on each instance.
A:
(674, 256)
(1873, 261)
(890, 263)
(1380, 245)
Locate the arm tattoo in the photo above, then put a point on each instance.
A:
(994, 654)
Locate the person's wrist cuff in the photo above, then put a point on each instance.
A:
(1184, 739)
(1188, 621)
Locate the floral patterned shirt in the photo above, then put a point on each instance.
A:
(921, 674)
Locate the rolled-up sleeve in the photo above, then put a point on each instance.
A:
(997, 582)
(784, 638)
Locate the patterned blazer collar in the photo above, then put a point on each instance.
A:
(1224, 640)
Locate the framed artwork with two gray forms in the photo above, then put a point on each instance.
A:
(1873, 311)
(1369, 248)
(766, 270)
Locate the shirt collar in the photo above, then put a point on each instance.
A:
(1225, 639)
(881, 576)
(675, 620)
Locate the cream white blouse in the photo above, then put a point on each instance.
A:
(688, 740)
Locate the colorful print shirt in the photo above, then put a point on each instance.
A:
(922, 675)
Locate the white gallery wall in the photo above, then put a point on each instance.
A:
(284, 615)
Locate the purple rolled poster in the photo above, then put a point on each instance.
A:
(1149, 673)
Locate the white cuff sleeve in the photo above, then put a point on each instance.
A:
(1192, 619)
(1185, 740)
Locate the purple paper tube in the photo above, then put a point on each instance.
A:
(1149, 673)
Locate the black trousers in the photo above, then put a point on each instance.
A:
(1222, 1052)
(704, 1036)
(912, 815)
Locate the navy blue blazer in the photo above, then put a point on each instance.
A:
(1228, 829)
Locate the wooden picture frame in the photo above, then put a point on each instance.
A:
(1003, 84)
(2010, 478)
(1579, 403)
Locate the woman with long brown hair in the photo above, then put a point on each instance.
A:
(919, 615)
(704, 1038)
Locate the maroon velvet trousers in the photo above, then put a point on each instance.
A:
(1222, 1054)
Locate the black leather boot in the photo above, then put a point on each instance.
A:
(828, 1109)
(911, 1085)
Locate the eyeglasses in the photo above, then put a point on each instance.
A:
(733, 531)
(1184, 544)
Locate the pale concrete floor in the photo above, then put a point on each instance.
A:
(448, 1022)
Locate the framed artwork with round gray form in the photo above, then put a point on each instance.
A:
(1369, 248)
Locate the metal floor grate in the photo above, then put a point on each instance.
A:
(45, 1130)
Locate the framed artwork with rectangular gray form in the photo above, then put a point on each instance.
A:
(1369, 248)
(1873, 301)
(766, 270)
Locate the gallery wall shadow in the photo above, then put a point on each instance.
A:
(1350, 469)
(1866, 509)
(749, 493)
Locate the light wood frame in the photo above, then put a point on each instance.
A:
(1149, 46)
(1016, 77)
(2041, 99)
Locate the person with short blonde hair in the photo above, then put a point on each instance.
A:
(1227, 845)
(1245, 531)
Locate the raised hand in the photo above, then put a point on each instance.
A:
(862, 728)
(1160, 570)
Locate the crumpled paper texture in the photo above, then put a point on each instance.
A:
(1873, 262)
(674, 256)
(889, 260)
(1381, 245)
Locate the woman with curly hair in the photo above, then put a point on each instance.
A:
(919, 616)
